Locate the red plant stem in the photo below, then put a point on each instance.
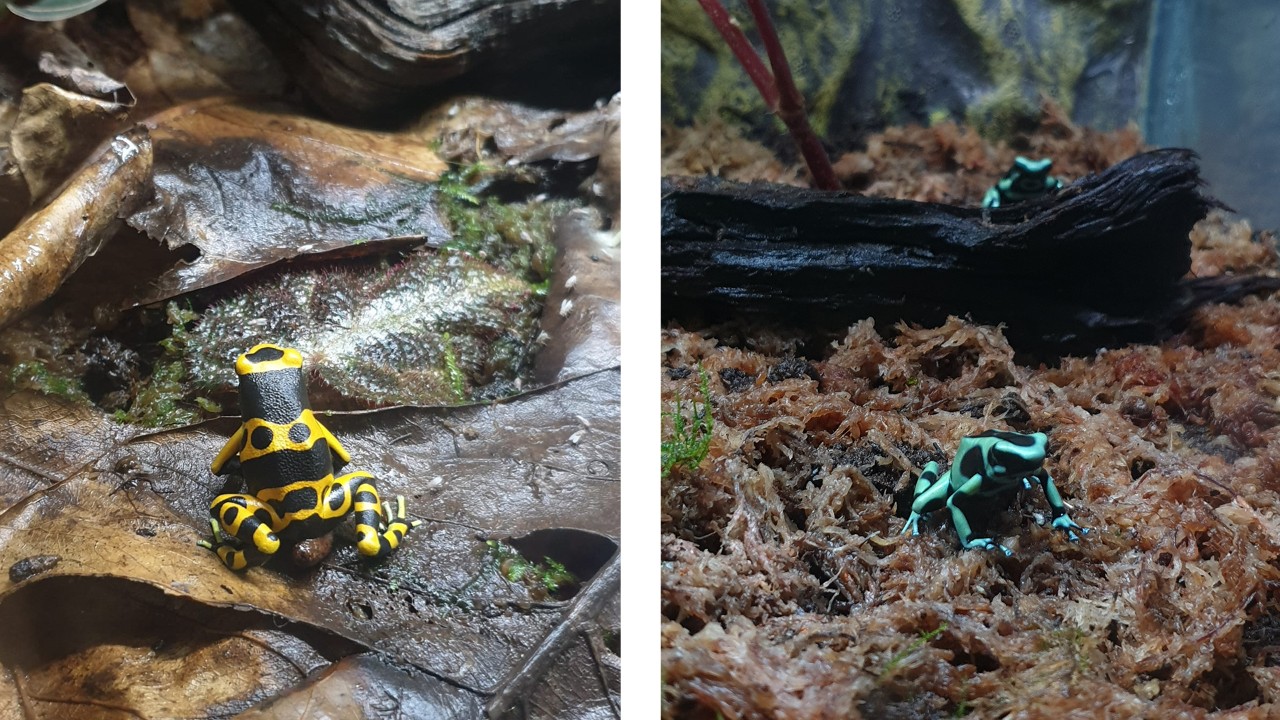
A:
(790, 104)
(741, 47)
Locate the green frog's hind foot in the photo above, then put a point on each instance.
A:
(987, 544)
(379, 531)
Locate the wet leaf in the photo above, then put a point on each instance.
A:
(292, 186)
(439, 328)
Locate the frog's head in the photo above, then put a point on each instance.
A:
(271, 384)
(1032, 177)
(1015, 454)
(265, 357)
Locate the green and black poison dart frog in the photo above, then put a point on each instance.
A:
(1025, 180)
(288, 460)
(987, 471)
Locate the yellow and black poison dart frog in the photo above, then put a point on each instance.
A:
(989, 468)
(288, 460)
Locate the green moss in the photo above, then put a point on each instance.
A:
(548, 576)
(690, 430)
(516, 237)
(457, 380)
(162, 401)
(35, 375)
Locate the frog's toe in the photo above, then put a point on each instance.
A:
(987, 544)
(1070, 526)
(913, 525)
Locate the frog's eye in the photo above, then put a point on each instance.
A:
(1033, 167)
(1003, 462)
(265, 357)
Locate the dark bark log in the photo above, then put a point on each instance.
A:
(358, 57)
(1101, 263)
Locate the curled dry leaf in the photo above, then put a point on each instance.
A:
(50, 244)
(56, 129)
(64, 63)
(249, 186)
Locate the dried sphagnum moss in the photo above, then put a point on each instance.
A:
(788, 592)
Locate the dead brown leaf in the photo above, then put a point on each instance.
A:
(582, 318)
(292, 184)
(56, 130)
(518, 132)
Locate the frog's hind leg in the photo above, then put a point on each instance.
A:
(249, 521)
(379, 531)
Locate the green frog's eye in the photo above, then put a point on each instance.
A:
(1003, 462)
(1032, 167)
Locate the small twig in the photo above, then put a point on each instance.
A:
(517, 685)
(791, 104)
(593, 644)
(741, 47)
(778, 88)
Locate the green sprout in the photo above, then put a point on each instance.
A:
(924, 639)
(690, 430)
(457, 381)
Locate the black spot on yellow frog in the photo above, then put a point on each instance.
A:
(288, 461)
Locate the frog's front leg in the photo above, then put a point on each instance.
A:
(930, 494)
(1061, 520)
(375, 536)
(250, 522)
(991, 199)
(961, 523)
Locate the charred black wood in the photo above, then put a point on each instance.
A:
(1100, 263)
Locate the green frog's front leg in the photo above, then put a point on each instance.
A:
(1061, 520)
(961, 523)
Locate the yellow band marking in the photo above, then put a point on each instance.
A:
(291, 360)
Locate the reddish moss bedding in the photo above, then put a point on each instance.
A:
(788, 591)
